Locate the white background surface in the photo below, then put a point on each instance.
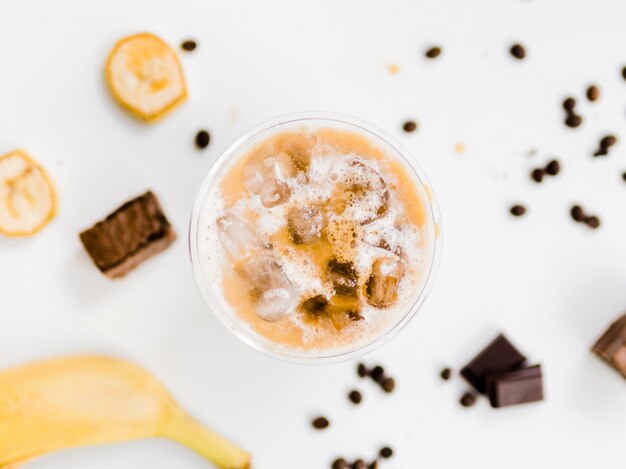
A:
(550, 284)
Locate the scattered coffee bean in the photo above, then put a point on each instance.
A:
(373, 465)
(388, 385)
(468, 399)
(537, 174)
(573, 120)
(593, 93)
(445, 374)
(188, 45)
(409, 126)
(433, 52)
(355, 397)
(320, 423)
(361, 370)
(624, 73)
(359, 464)
(340, 463)
(202, 139)
(624, 176)
(518, 211)
(377, 374)
(569, 104)
(605, 143)
(518, 51)
(577, 213)
(553, 168)
(592, 222)
(386, 452)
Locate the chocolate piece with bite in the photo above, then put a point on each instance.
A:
(515, 387)
(131, 234)
(611, 347)
(497, 358)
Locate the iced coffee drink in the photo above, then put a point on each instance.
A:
(314, 237)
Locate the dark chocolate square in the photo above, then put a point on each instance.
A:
(498, 357)
(515, 387)
(611, 347)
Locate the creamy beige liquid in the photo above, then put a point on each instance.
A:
(383, 217)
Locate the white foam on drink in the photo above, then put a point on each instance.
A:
(327, 169)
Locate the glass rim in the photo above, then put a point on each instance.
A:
(238, 326)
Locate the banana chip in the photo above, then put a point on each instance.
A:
(145, 76)
(27, 198)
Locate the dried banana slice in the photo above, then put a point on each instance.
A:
(145, 76)
(27, 198)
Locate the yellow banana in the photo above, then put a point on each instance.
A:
(87, 400)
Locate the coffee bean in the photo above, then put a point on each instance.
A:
(573, 120)
(608, 141)
(537, 174)
(553, 168)
(386, 452)
(593, 93)
(518, 51)
(355, 396)
(577, 212)
(378, 374)
(388, 385)
(592, 222)
(359, 464)
(624, 176)
(202, 139)
(188, 45)
(433, 52)
(518, 211)
(445, 374)
(373, 465)
(409, 126)
(569, 104)
(361, 370)
(624, 73)
(468, 399)
(320, 423)
(340, 463)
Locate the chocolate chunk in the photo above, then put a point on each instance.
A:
(388, 385)
(593, 93)
(409, 126)
(498, 357)
(518, 51)
(518, 210)
(553, 168)
(131, 234)
(611, 347)
(340, 463)
(569, 104)
(445, 374)
(515, 387)
(320, 423)
(537, 174)
(355, 397)
(433, 52)
(202, 139)
(573, 120)
(188, 45)
(361, 370)
(344, 277)
(468, 399)
(386, 452)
